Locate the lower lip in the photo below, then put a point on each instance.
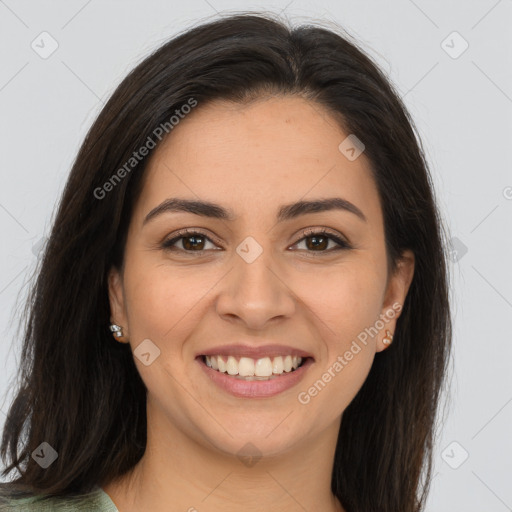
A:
(256, 388)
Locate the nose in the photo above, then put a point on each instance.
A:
(255, 293)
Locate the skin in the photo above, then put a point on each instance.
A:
(252, 159)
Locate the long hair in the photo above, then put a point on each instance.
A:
(79, 390)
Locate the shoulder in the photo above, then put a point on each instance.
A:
(95, 501)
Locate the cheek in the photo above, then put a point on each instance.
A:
(347, 298)
(164, 302)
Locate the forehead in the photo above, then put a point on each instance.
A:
(252, 157)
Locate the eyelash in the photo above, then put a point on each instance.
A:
(307, 233)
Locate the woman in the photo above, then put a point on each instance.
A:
(243, 303)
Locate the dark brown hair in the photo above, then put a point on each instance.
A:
(80, 390)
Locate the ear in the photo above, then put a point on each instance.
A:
(117, 303)
(395, 295)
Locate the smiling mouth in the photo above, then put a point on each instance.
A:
(248, 369)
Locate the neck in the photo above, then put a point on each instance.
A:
(193, 477)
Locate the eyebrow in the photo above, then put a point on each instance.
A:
(285, 212)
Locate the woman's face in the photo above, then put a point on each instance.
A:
(251, 287)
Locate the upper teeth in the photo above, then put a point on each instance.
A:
(247, 366)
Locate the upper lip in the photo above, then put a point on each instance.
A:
(254, 352)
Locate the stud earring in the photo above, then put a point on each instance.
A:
(117, 331)
(388, 339)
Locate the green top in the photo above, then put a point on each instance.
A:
(96, 501)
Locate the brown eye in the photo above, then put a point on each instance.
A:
(318, 241)
(191, 241)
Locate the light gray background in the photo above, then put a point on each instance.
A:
(462, 107)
